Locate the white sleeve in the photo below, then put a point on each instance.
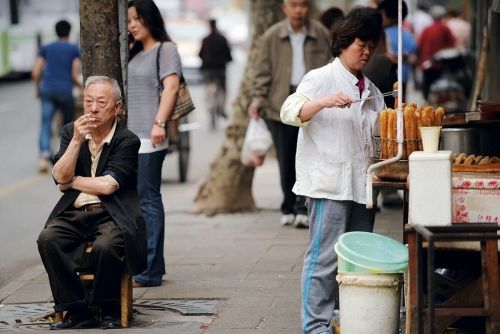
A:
(291, 109)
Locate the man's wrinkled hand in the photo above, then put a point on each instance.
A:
(253, 112)
(83, 126)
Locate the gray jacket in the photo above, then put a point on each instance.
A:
(271, 82)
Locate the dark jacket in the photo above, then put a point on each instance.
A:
(215, 52)
(119, 159)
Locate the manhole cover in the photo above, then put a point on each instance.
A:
(161, 313)
(192, 307)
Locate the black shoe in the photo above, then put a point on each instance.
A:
(76, 320)
(110, 322)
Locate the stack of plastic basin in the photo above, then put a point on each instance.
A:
(364, 252)
(370, 281)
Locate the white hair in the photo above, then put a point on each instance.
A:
(93, 79)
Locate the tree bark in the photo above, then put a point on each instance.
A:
(228, 187)
(100, 39)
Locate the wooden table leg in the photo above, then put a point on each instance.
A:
(412, 305)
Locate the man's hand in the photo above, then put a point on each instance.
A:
(65, 186)
(83, 126)
(253, 112)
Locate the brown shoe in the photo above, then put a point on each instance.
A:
(136, 284)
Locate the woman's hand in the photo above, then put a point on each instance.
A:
(158, 135)
(337, 99)
(311, 108)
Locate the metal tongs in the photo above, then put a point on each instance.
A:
(394, 94)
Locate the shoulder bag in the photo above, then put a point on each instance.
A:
(183, 104)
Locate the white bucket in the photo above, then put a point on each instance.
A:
(369, 303)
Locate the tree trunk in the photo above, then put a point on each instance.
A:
(100, 39)
(228, 187)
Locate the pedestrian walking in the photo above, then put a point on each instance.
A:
(56, 71)
(149, 108)
(329, 16)
(334, 150)
(215, 53)
(389, 11)
(96, 169)
(286, 51)
(434, 38)
(460, 28)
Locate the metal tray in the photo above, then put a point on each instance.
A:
(396, 171)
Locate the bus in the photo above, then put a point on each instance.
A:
(27, 24)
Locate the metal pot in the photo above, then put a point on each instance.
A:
(479, 141)
(460, 140)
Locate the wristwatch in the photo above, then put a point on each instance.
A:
(160, 124)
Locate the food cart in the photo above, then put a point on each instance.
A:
(469, 238)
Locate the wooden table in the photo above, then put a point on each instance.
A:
(486, 288)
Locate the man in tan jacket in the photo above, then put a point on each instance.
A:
(287, 51)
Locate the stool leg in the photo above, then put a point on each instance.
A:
(126, 299)
(130, 299)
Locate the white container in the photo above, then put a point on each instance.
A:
(369, 303)
(430, 188)
(430, 138)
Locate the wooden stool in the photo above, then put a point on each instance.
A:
(125, 293)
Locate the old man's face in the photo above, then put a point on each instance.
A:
(99, 102)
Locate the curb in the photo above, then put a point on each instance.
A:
(21, 281)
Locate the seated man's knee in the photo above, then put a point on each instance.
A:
(47, 237)
(109, 244)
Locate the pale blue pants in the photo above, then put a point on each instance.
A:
(328, 219)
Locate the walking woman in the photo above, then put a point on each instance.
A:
(148, 111)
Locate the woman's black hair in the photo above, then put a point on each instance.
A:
(151, 18)
(363, 23)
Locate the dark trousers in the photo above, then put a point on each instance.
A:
(61, 246)
(285, 142)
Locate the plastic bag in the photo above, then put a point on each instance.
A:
(257, 143)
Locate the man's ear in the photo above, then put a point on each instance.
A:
(118, 107)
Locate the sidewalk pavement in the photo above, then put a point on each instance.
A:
(248, 263)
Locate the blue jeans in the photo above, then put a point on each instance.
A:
(50, 103)
(148, 183)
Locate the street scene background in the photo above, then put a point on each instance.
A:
(248, 260)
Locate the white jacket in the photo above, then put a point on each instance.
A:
(334, 148)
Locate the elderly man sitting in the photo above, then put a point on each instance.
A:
(96, 169)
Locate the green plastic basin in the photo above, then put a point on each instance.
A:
(371, 252)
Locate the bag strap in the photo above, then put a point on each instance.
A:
(160, 83)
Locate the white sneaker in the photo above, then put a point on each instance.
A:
(287, 219)
(43, 166)
(300, 221)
